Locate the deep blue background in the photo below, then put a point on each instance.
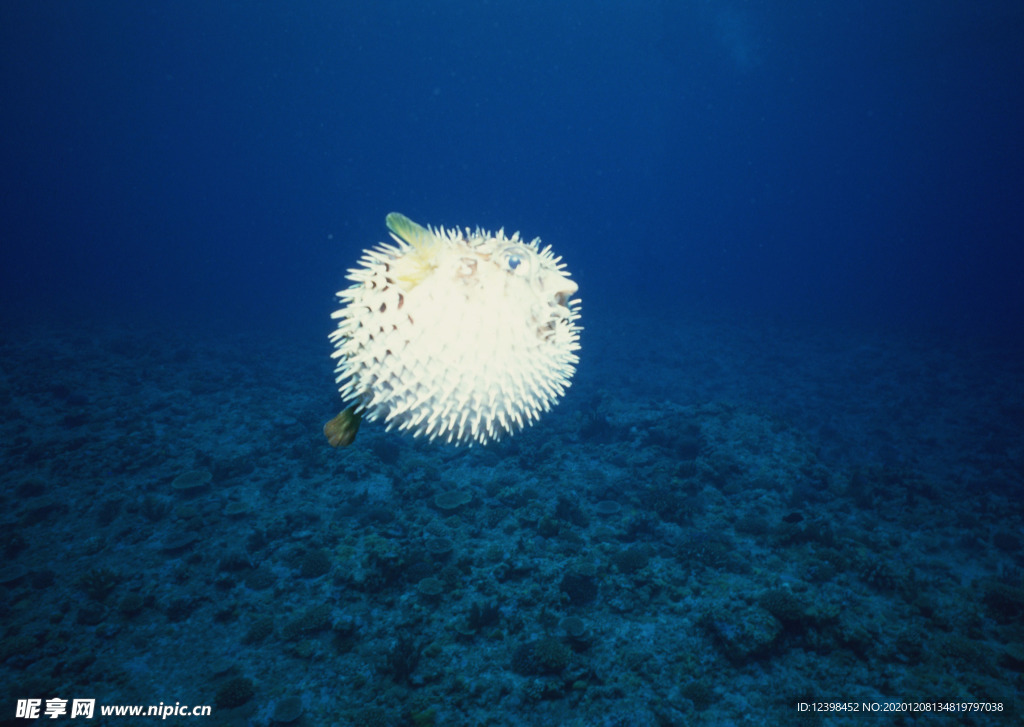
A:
(224, 162)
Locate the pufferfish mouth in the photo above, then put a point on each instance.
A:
(565, 292)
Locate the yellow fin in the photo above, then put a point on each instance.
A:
(416, 235)
(417, 263)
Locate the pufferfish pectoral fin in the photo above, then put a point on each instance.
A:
(341, 431)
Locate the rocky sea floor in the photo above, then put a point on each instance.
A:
(720, 522)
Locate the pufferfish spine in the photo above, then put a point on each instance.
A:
(458, 335)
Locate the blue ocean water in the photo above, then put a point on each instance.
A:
(789, 469)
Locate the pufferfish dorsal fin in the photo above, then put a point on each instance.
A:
(416, 235)
(419, 262)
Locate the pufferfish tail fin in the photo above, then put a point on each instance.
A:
(341, 431)
(421, 260)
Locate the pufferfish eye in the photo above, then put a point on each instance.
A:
(515, 260)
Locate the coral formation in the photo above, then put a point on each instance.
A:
(546, 655)
(191, 481)
(98, 583)
(314, 619)
(604, 580)
(315, 563)
(452, 500)
(234, 693)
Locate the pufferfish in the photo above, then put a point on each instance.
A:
(457, 335)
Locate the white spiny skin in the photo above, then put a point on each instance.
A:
(456, 335)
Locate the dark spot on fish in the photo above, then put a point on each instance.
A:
(401, 301)
(383, 307)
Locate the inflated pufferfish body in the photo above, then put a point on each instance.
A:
(454, 334)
